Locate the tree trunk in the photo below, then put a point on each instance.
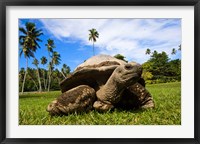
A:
(62, 74)
(35, 83)
(40, 86)
(45, 86)
(46, 82)
(25, 76)
(49, 74)
(58, 80)
(93, 48)
(49, 79)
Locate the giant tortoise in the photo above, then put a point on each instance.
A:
(102, 82)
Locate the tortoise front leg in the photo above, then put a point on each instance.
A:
(78, 99)
(102, 106)
(145, 100)
(136, 96)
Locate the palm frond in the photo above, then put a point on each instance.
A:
(29, 41)
(21, 52)
(21, 29)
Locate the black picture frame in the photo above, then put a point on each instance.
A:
(5, 3)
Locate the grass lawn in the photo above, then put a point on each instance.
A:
(167, 97)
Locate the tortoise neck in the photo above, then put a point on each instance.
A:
(111, 91)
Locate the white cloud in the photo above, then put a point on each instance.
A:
(130, 37)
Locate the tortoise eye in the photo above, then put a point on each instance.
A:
(128, 66)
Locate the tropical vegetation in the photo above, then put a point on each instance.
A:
(28, 41)
(159, 68)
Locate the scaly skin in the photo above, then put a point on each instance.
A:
(78, 99)
(136, 96)
(144, 97)
(122, 77)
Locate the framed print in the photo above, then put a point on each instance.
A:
(99, 71)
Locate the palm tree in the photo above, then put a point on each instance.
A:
(57, 75)
(32, 76)
(148, 51)
(173, 51)
(36, 62)
(28, 41)
(56, 58)
(50, 67)
(179, 47)
(43, 62)
(155, 53)
(50, 46)
(54, 61)
(65, 70)
(93, 35)
(21, 76)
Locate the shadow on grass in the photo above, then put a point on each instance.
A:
(138, 110)
(116, 110)
(121, 110)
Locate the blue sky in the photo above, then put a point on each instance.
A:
(129, 37)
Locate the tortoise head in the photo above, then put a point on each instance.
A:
(127, 74)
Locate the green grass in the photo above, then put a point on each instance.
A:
(167, 97)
